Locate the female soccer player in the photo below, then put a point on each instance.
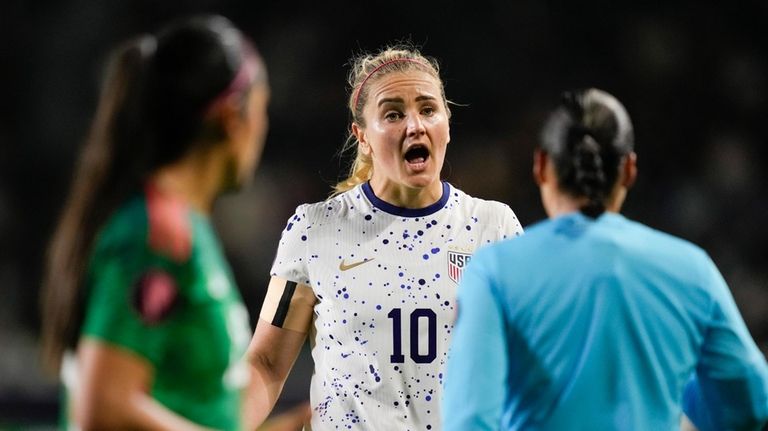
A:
(140, 308)
(611, 321)
(371, 272)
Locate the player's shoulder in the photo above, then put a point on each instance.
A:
(126, 227)
(169, 225)
(464, 200)
(641, 233)
(490, 211)
(308, 214)
(690, 264)
(520, 245)
(152, 223)
(335, 207)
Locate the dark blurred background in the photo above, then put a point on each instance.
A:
(693, 75)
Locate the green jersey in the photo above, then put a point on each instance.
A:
(158, 285)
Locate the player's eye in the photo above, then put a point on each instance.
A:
(392, 115)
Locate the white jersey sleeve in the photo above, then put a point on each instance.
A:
(291, 259)
(511, 226)
(508, 224)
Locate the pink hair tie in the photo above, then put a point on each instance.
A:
(376, 69)
(245, 76)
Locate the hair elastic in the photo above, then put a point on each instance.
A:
(376, 69)
(244, 77)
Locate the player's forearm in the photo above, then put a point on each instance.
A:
(136, 412)
(112, 392)
(155, 416)
(263, 392)
(293, 419)
(271, 356)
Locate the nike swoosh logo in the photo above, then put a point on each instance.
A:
(352, 265)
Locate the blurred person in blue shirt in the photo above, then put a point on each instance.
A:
(592, 321)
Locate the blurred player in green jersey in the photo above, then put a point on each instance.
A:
(140, 310)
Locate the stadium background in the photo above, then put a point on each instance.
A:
(693, 75)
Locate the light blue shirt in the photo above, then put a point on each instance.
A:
(603, 324)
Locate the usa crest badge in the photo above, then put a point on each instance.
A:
(457, 261)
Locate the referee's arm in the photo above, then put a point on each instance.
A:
(730, 387)
(478, 361)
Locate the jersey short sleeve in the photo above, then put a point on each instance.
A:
(510, 225)
(134, 300)
(730, 387)
(291, 259)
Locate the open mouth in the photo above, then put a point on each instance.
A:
(417, 154)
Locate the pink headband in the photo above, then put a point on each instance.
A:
(376, 69)
(243, 78)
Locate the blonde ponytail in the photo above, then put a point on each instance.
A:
(360, 172)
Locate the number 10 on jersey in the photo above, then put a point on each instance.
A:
(417, 317)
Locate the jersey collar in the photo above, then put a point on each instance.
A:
(407, 212)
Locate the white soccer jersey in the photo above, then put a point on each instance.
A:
(384, 279)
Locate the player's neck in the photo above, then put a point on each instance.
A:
(407, 197)
(558, 204)
(193, 179)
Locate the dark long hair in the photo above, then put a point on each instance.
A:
(587, 136)
(151, 112)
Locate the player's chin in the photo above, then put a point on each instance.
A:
(422, 180)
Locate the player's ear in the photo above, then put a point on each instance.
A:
(629, 170)
(359, 133)
(230, 116)
(540, 160)
(227, 119)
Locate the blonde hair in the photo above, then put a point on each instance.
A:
(365, 69)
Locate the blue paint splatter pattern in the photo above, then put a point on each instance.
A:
(385, 301)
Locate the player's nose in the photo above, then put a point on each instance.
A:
(414, 126)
